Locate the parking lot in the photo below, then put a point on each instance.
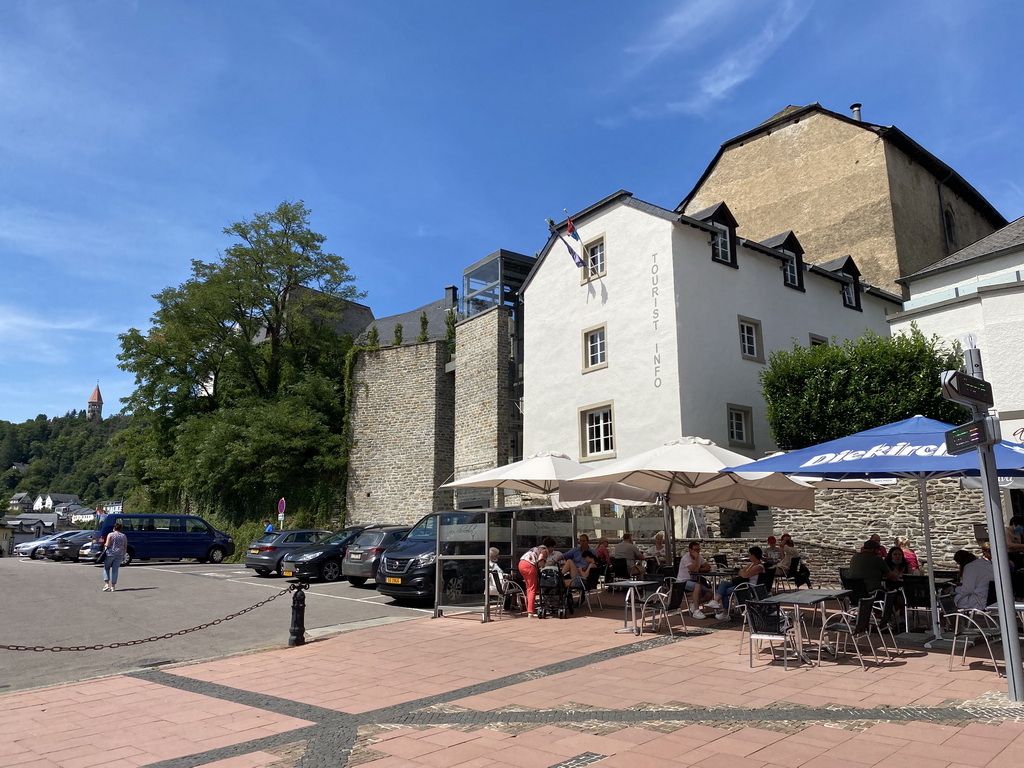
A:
(49, 604)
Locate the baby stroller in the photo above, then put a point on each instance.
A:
(552, 595)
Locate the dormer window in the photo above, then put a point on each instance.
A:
(721, 247)
(851, 292)
(791, 270)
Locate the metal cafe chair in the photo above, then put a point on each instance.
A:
(769, 622)
(840, 625)
(968, 625)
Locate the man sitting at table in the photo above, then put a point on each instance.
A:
(689, 566)
(867, 565)
(631, 553)
(576, 555)
(975, 576)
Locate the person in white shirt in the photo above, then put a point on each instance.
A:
(976, 575)
(690, 565)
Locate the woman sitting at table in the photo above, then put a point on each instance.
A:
(898, 564)
(604, 555)
(909, 555)
(580, 573)
(657, 555)
(975, 576)
(748, 575)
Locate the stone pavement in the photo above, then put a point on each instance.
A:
(525, 693)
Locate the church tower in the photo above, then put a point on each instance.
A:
(95, 405)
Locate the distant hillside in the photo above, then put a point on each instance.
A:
(66, 454)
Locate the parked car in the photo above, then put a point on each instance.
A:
(265, 554)
(407, 568)
(34, 549)
(91, 551)
(68, 547)
(323, 559)
(363, 555)
(165, 537)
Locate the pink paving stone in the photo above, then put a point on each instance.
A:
(867, 750)
(406, 747)
(722, 760)
(457, 754)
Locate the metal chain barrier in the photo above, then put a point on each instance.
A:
(167, 636)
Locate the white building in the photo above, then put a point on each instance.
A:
(664, 331)
(979, 290)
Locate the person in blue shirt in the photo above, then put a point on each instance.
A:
(576, 553)
(269, 526)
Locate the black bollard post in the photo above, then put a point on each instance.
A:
(297, 632)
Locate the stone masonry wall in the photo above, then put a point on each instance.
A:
(483, 400)
(403, 430)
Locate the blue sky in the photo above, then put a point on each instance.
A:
(423, 136)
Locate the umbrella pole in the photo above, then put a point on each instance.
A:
(666, 512)
(922, 489)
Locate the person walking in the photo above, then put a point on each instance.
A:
(115, 546)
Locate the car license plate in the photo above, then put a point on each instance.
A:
(393, 580)
(287, 573)
(356, 556)
(254, 551)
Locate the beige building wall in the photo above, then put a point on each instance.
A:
(403, 431)
(918, 203)
(843, 190)
(483, 394)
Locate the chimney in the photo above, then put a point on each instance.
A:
(856, 111)
(451, 295)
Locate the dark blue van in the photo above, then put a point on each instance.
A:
(171, 537)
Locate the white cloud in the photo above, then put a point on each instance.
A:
(685, 28)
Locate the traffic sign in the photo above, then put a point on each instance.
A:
(280, 507)
(966, 390)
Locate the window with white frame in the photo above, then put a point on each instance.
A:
(751, 345)
(721, 246)
(791, 270)
(739, 426)
(594, 261)
(595, 348)
(596, 433)
(817, 341)
(851, 294)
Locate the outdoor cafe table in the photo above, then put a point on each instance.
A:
(801, 598)
(629, 609)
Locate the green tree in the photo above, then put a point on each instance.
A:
(450, 319)
(398, 335)
(239, 395)
(424, 323)
(819, 393)
(373, 338)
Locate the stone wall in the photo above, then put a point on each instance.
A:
(403, 431)
(483, 401)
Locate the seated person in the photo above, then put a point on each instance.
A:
(576, 553)
(748, 575)
(580, 574)
(881, 551)
(903, 543)
(867, 565)
(800, 573)
(604, 555)
(631, 553)
(657, 555)
(898, 563)
(975, 576)
(494, 572)
(690, 566)
(772, 554)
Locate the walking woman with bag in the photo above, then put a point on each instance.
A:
(114, 548)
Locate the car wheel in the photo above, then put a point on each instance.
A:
(331, 570)
(356, 581)
(262, 572)
(453, 589)
(129, 555)
(34, 554)
(215, 555)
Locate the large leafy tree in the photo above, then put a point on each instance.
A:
(240, 379)
(825, 392)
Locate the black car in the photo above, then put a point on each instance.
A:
(323, 559)
(69, 547)
(407, 569)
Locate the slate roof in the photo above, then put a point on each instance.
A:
(1009, 238)
(436, 328)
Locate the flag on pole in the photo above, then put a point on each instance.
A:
(575, 256)
(570, 227)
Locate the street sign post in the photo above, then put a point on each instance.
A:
(981, 434)
(280, 511)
